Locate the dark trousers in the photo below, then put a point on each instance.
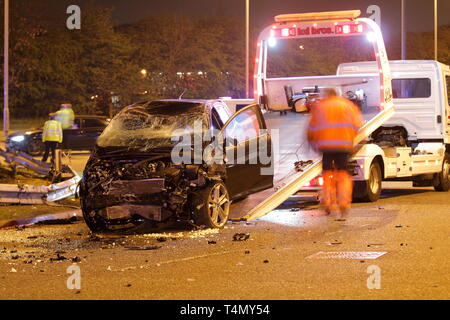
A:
(49, 146)
(337, 182)
(335, 160)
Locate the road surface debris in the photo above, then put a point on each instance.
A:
(241, 236)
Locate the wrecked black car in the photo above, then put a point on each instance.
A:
(151, 164)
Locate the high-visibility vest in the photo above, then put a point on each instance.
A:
(334, 124)
(52, 131)
(66, 117)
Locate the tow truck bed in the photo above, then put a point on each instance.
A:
(295, 147)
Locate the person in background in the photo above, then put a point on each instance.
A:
(65, 116)
(333, 126)
(51, 136)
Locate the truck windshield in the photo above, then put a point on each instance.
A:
(316, 56)
(154, 125)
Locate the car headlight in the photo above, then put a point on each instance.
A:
(18, 138)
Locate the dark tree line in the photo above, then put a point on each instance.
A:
(50, 64)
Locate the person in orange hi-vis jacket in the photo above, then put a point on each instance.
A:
(332, 128)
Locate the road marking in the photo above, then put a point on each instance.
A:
(356, 255)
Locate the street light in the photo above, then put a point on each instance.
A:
(403, 31)
(6, 71)
(435, 31)
(247, 47)
(144, 72)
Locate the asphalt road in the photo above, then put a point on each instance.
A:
(281, 259)
(410, 226)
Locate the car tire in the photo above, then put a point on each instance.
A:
(211, 205)
(443, 177)
(94, 222)
(370, 190)
(35, 147)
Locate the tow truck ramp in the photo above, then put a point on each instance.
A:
(266, 201)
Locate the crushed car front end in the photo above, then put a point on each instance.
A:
(131, 176)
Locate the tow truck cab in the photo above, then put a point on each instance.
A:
(413, 145)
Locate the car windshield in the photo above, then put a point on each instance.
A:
(154, 125)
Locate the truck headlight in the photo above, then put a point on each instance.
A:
(18, 138)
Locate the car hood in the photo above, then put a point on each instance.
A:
(25, 132)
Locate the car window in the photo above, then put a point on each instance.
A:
(222, 112)
(245, 125)
(76, 124)
(217, 123)
(411, 88)
(89, 123)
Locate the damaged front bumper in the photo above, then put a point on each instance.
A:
(129, 198)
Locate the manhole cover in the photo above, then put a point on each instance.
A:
(357, 255)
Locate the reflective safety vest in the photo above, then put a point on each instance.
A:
(66, 117)
(52, 131)
(334, 124)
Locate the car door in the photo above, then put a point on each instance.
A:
(92, 128)
(247, 144)
(71, 136)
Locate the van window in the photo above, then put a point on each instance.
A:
(447, 80)
(411, 88)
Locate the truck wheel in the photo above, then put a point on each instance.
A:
(444, 175)
(212, 206)
(370, 190)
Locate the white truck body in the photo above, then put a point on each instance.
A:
(425, 120)
(415, 112)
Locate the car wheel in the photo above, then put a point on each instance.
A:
(370, 190)
(212, 206)
(444, 175)
(35, 147)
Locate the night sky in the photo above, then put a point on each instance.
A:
(419, 13)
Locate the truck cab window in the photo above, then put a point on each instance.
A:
(411, 88)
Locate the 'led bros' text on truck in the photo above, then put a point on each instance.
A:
(228, 309)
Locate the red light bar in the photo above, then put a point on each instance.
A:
(349, 28)
(285, 32)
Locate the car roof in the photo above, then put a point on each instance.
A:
(201, 101)
(90, 116)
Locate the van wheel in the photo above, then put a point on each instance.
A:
(212, 206)
(370, 190)
(444, 175)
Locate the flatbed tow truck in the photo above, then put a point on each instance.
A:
(411, 144)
